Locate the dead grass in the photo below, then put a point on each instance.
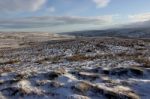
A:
(81, 57)
(9, 62)
(144, 61)
(78, 57)
(114, 93)
(129, 55)
(82, 87)
(49, 59)
(138, 57)
(6, 69)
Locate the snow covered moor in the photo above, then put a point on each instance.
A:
(81, 68)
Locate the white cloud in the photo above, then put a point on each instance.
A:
(20, 5)
(101, 3)
(139, 17)
(53, 21)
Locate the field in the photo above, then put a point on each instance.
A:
(64, 67)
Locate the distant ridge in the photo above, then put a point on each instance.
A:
(122, 32)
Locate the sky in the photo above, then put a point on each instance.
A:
(70, 15)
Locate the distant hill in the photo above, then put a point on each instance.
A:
(126, 32)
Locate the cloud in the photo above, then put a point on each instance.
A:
(20, 5)
(101, 3)
(53, 21)
(139, 17)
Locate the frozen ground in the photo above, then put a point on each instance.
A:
(83, 68)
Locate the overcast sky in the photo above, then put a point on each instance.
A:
(70, 15)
